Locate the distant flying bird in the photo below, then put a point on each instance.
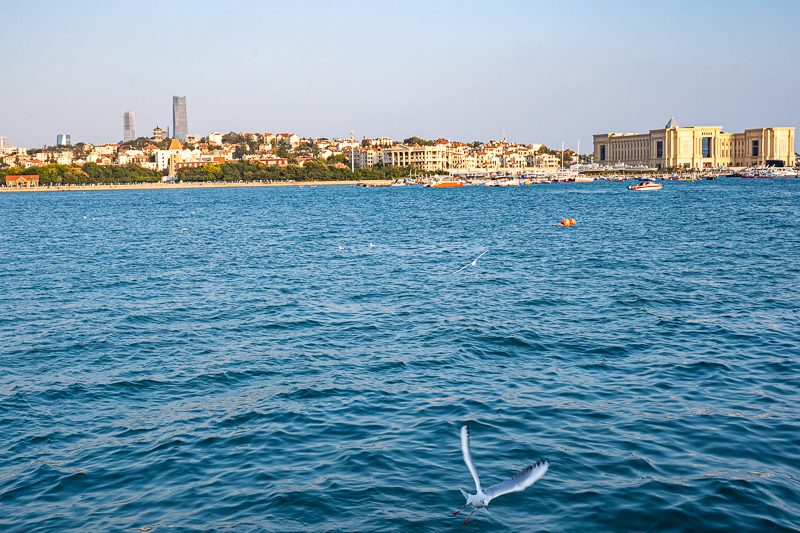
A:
(474, 262)
(481, 499)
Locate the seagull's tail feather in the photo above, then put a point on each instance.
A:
(465, 493)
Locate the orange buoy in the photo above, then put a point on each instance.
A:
(572, 222)
(564, 222)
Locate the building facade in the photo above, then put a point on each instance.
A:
(63, 139)
(128, 126)
(427, 158)
(697, 147)
(22, 181)
(180, 125)
(367, 157)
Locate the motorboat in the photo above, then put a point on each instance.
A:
(645, 186)
(444, 183)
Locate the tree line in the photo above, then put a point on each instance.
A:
(55, 174)
(312, 170)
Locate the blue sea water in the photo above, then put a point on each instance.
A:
(248, 374)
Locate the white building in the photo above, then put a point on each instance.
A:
(427, 158)
(367, 157)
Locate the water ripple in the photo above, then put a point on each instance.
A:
(252, 376)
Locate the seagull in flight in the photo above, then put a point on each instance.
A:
(474, 262)
(481, 499)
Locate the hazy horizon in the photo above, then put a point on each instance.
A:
(467, 71)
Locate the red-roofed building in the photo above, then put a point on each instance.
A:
(293, 140)
(22, 181)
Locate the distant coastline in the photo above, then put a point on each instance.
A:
(173, 186)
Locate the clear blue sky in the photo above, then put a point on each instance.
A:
(465, 70)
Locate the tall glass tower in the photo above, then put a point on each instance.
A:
(180, 129)
(128, 127)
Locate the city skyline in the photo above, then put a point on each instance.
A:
(464, 70)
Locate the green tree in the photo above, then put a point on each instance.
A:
(417, 140)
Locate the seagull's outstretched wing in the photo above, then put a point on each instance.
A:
(462, 268)
(521, 481)
(475, 261)
(468, 456)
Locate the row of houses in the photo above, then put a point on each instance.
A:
(441, 155)
(455, 156)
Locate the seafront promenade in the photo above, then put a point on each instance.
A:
(172, 186)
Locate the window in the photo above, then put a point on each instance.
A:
(659, 149)
(602, 152)
(755, 148)
(706, 147)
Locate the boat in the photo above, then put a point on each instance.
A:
(584, 179)
(645, 186)
(444, 183)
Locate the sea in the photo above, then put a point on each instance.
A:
(302, 359)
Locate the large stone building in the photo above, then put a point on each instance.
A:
(697, 147)
(427, 158)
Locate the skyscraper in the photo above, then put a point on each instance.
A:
(128, 126)
(4, 143)
(180, 128)
(63, 139)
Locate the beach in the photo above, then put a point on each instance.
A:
(179, 185)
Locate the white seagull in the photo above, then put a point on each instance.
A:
(474, 262)
(481, 500)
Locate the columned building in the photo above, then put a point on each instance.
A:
(697, 147)
(425, 158)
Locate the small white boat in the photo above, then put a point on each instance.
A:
(645, 186)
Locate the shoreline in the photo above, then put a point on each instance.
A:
(181, 185)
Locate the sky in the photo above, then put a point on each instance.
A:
(538, 71)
